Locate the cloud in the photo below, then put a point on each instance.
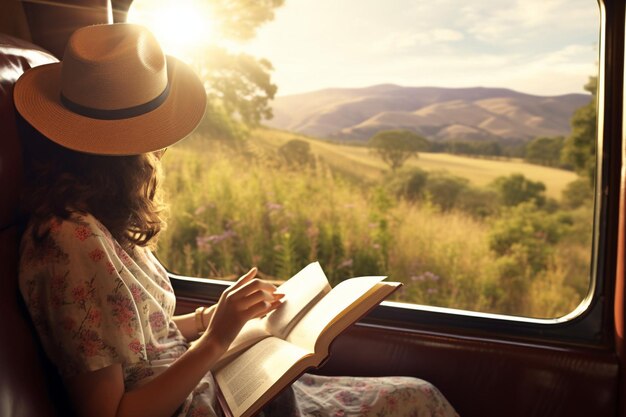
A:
(536, 46)
(402, 40)
(494, 21)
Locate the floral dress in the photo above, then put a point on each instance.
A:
(95, 304)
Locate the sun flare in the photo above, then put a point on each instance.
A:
(181, 26)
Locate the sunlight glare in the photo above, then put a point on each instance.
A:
(180, 26)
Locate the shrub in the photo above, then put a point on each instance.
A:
(516, 189)
(577, 193)
(444, 189)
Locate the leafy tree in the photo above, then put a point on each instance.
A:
(297, 152)
(478, 202)
(396, 146)
(408, 184)
(239, 86)
(577, 193)
(483, 148)
(523, 240)
(579, 149)
(516, 189)
(545, 150)
(445, 189)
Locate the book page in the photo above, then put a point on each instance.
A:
(329, 309)
(302, 291)
(252, 332)
(246, 379)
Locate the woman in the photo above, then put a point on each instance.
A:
(94, 129)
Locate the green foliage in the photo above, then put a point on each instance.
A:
(528, 231)
(239, 19)
(577, 193)
(230, 211)
(239, 83)
(516, 189)
(239, 86)
(444, 190)
(396, 146)
(545, 151)
(478, 202)
(297, 152)
(482, 148)
(409, 185)
(524, 241)
(579, 150)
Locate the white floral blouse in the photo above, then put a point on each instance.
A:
(95, 304)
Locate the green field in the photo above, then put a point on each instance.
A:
(360, 162)
(234, 205)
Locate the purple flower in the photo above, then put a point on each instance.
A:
(345, 264)
(274, 206)
(206, 243)
(426, 276)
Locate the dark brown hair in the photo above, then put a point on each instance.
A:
(120, 191)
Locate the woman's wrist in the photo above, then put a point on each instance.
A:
(210, 346)
(200, 319)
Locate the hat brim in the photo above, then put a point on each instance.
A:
(37, 97)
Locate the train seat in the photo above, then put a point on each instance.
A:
(26, 387)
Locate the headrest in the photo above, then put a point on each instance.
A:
(16, 56)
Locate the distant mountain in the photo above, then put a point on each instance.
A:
(440, 114)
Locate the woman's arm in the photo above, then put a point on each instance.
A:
(101, 393)
(186, 323)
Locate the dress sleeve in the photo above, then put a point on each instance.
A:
(84, 313)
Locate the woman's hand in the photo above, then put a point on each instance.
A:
(246, 299)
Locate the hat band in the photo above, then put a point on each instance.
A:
(116, 114)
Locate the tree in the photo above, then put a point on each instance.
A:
(445, 190)
(545, 150)
(516, 189)
(577, 193)
(579, 149)
(396, 146)
(297, 152)
(239, 86)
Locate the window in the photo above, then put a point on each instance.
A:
(449, 145)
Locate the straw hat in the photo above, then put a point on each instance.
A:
(114, 93)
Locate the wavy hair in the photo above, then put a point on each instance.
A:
(122, 192)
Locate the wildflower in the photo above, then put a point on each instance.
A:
(345, 264)
(274, 206)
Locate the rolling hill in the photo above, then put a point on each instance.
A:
(440, 114)
(359, 162)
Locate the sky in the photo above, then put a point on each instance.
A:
(543, 47)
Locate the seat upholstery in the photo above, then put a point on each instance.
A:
(24, 386)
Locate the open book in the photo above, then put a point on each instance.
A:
(271, 352)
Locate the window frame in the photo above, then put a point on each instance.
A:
(591, 324)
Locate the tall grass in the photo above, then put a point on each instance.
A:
(235, 208)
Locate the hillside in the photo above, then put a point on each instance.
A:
(440, 114)
(359, 162)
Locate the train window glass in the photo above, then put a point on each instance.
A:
(447, 144)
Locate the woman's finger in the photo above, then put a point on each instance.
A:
(247, 277)
(261, 308)
(252, 286)
(254, 298)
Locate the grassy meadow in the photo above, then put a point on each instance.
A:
(232, 207)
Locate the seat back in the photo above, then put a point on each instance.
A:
(25, 388)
